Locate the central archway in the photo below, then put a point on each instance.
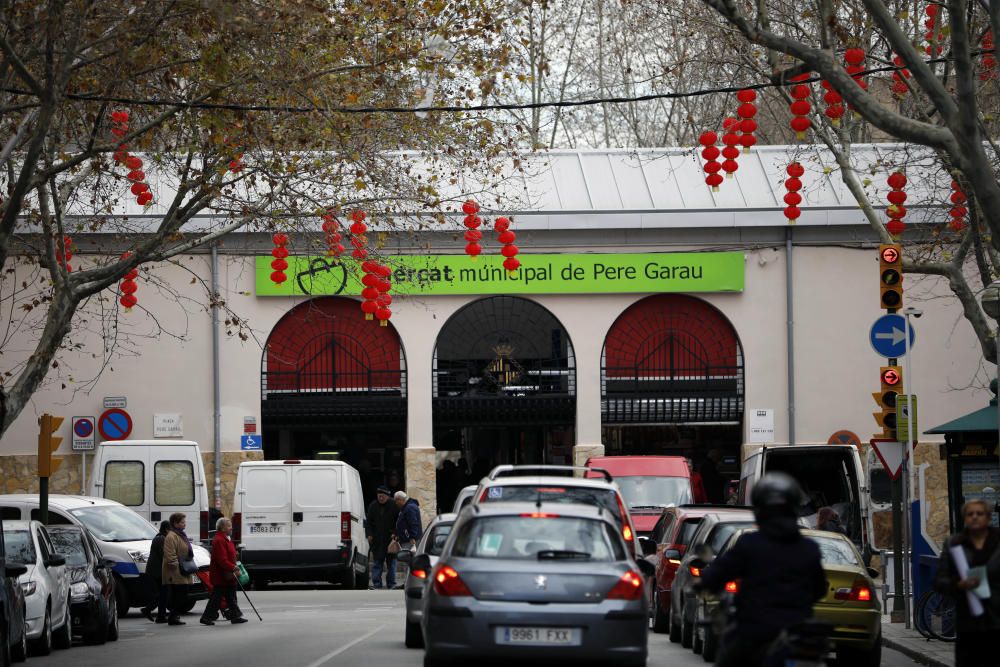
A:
(504, 390)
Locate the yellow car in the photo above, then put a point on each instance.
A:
(851, 604)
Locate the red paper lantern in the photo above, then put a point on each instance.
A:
(128, 301)
(473, 236)
(795, 170)
(358, 215)
(834, 104)
(509, 250)
(62, 259)
(383, 299)
(855, 59)
(473, 249)
(144, 198)
(470, 207)
(370, 293)
(511, 264)
(958, 211)
(897, 180)
(383, 314)
(472, 221)
(369, 308)
(854, 56)
(506, 237)
(896, 211)
(501, 224)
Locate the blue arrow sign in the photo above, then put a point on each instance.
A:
(251, 442)
(888, 336)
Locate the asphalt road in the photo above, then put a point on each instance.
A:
(303, 627)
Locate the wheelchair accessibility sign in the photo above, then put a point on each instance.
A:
(251, 442)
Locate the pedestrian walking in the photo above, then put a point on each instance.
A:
(222, 573)
(154, 578)
(408, 529)
(380, 522)
(979, 543)
(828, 519)
(178, 557)
(711, 477)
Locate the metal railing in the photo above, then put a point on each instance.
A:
(670, 395)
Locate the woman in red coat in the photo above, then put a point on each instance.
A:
(222, 574)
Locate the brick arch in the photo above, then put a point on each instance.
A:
(695, 331)
(326, 345)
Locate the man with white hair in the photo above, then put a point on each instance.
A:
(408, 529)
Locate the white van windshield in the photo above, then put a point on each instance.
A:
(111, 523)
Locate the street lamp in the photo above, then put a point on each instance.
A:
(908, 491)
(990, 299)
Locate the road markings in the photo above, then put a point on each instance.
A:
(333, 654)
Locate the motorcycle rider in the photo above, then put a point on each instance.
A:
(780, 574)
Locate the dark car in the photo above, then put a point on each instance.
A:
(93, 606)
(14, 638)
(671, 536)
(713, 531)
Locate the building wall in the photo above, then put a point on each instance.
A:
(164, 364)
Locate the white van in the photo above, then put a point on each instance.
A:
(155, 478)
(301, 521)
(830, 475)
(123, 536)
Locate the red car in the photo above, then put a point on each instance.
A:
(672, 534)
(648, 484)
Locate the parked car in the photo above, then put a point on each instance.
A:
(830, 476)
(536, 582)
(45, 585)
(713, 530)
(556, 484)
(301, 520)
(712, 612)
(465, 497)
(14, 639)
(92, 584)
(154, 478)
(648, 484)
(122, 536)
(670, 537)
(431, 544)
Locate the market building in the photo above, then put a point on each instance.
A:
(649, 316)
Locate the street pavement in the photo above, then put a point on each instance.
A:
(302, 627)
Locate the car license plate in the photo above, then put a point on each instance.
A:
(538, 636)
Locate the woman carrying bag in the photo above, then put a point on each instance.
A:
(178, 566)
(222, 574)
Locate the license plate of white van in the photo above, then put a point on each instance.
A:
(266, 528)
(538, 636)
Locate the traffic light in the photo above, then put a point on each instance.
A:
(48, 443)
(890, 264)
(892, 378)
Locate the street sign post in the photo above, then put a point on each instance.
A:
(888, 336)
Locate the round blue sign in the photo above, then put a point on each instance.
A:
(888, 336)
(83, 428)
(114, 424)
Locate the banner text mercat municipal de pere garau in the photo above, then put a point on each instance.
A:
(429, 275)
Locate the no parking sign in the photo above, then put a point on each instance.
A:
(83, 434)
(114, 424)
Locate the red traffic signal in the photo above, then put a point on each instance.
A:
(889, 254)
(890, 261)
(891, 376)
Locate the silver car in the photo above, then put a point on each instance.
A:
(535, 581)
(431, 544)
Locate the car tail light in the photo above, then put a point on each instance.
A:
(482, 496)
(237, 527)
(673, 562)
(203, 516)
(540, 515)
(345, 525)
(448, 583)
(732, 587)
(629, 587)
(695, 572)
(859, 592)
(419, 574)
(627, 529)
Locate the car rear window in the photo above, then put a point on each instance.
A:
(722, 532)
(834, 551)
(437, 538)
(69, 543)
(554, 493)
(688, 529)
(531, 538)
(19, 546)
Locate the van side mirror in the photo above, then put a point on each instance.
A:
(404, 556)
(55, 560)
(648, 546)
(15, 570)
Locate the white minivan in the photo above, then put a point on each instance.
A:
(301, 521)
(155, 478)
(123, 536)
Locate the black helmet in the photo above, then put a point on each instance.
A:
(776, 493)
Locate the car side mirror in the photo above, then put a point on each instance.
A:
(647, 545)
(421, 562)
(55, 560)
(873, 573)
(404, 556)
(672, 554)
(108, 563)
(15, 570)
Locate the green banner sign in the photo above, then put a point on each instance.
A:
(428, 275)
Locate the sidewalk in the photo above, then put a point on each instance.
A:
(914, 645)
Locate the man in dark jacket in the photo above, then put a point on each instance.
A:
(780, 571)
(408, 529)
(154, 585)
(379, 524)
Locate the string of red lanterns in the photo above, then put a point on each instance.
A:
(472, 233)
(899, 77)
(834, 104)
(279, 252)
(62, 259)
(139, 188)
(359, 238)
(855, 59)
(746, 111)
(384, 299)
(958, 210)
(710, 153)
(897, 197)
(792, 198)
(731, 140)
(988, 65)
(933, 36)
(128, 287)
(800, 106)
(331, 233)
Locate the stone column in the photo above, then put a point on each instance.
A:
(587, 353)
(421, 480)
(583, 452)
